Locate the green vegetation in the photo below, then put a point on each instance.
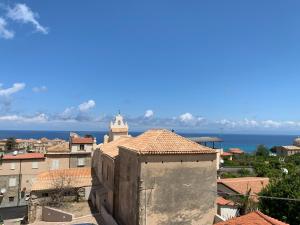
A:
(284, 210)
(284, 174)
(10, 143)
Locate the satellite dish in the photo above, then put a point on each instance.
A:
(15, 153)
(3, 190)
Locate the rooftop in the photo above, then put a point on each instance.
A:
(25, 156)
(242, 184)
(226, 154)
(253, 218)
(82, 140)
(111, 149)
(162, 141)
(236, 151)
(73, 177)
(59, 148)
(290, 148)
(223, 201)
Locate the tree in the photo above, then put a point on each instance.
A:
(11, 143)
(262, 150)
(284, 210)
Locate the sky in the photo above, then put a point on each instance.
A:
(197, 66)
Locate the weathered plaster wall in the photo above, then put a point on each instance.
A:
(177, 189)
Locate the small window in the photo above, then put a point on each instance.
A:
(45, 194)
(12, 182)
(12, 166)
(81, 147)
(81, 162)
(55, 164)
(11, 199)
(107, 170)
(35, 165)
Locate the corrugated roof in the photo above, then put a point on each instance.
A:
(162, 141)
(73, 177)
(253, 218)
(25, 156)
(111, 149)
(80, 140)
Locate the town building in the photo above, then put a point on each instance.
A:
(287, 150)
(236, 151)
(256, 217)
(158, 177)
(242, 185)
(17, 173)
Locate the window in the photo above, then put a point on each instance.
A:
(45, 194)
(81, 147)
(12, 182)
(11, 199)
(12, 166)
(55, 164)
(81, 162)
(107, 169)
(35, 165)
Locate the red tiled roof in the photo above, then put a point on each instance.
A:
(25, 156)
(162, 141)
(236, 151)
(223, 201)
(76, 140)
(253, 218)
(112, 148)
(242, 184)
(226, 154)
(73, 177)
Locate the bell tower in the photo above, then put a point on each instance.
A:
(117, 128)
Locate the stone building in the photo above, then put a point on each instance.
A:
(157, 178)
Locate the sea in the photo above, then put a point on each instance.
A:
(247, 142)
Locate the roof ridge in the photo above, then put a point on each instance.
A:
(268, 218)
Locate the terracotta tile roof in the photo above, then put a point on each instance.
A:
(119, 130)
(161, 141)
(253, 218)
(59, 148)
(242, 184)
(80, 140)
(73, 177)
(223, 201)
(226, 154)
(236, 151)
(25, 156)
(111, 149)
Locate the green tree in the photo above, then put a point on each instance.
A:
(11, 143)
(284, 210)
(262, 150)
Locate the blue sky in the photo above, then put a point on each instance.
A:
(200, 66)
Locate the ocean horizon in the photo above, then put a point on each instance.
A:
(247, 142)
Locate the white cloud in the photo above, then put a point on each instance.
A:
(186, 117)
(22, 13)
(40, 118)
(4, 32)
(149, 113)
(271, 123)
(39, 89)
(14, 89)
(86, 106)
